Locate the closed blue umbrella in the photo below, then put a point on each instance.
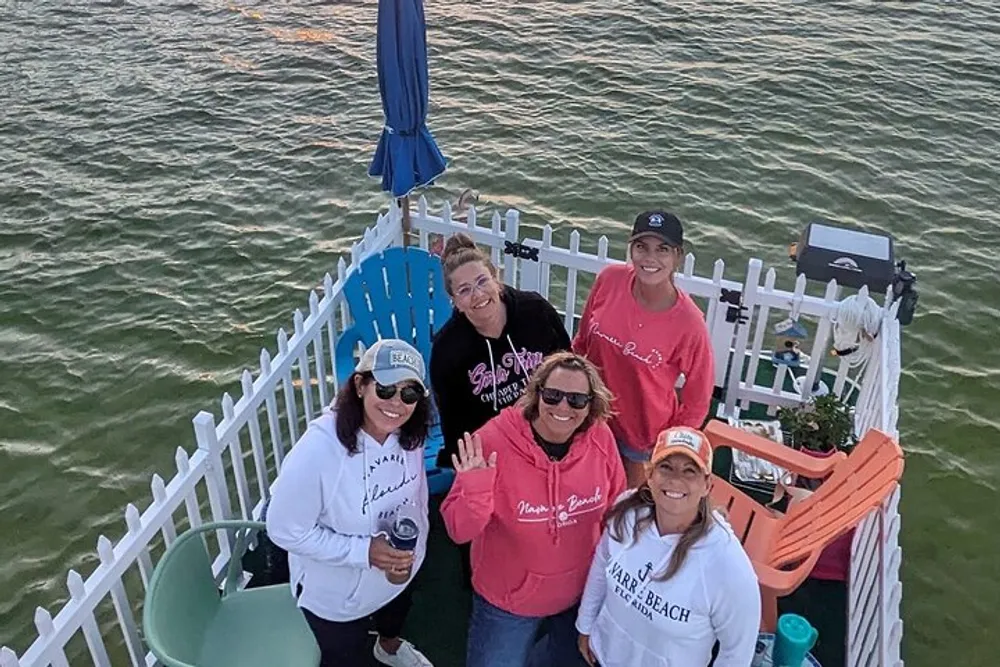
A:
(407, 156)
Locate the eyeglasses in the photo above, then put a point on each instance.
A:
(466, 290)
(577, 400)
(408, 393)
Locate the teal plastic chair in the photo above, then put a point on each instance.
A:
(398, 293)
(187, 623)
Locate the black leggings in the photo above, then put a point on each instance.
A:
(346, 644)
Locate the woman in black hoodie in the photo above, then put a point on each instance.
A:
(482, 357)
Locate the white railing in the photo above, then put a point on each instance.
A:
(229, 479)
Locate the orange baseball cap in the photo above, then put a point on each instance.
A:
(683, 440)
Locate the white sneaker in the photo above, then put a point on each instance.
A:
(406, 656)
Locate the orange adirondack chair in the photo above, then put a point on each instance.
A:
(784, 548)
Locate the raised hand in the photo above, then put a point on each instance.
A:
(470, 455)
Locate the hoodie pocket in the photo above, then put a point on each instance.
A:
(614, 645)
(547, 593)
(338, 587)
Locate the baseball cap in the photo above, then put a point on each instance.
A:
(683, 440)
(662, 224)
(391, 361)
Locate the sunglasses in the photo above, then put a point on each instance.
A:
(408, 393)
(577, 400)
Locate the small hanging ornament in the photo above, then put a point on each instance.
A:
(788, 332)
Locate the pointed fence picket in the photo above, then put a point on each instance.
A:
(306, 359)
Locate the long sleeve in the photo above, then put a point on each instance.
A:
(294, 511)
(581, 342)
(596, 588)
(469, 504)
(698, 366)
(735, 611)
(619, 483)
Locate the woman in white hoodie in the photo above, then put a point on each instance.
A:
(334, 502)
(669, 577)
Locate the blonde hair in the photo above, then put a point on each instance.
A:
(460, 250)
(600, 402)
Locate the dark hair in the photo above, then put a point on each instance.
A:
(351, 416)
(600, 403)
(459, 250)
(640, 505)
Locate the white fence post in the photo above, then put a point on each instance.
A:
(291, 413)
(123, 608)
(496, 254)
(91, 632)
(183, 464)
(305, 375)
(235, 447)
(256, 444)
(134, 524)
(43, 623)
(719, 329)
(748, 300)
(571, 279)
(215, 476)
(8, 658)
(273, 421)
(510, 261)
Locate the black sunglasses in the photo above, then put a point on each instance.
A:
(408, 394)
(577, 400)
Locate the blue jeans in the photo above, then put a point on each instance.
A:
(631, 453)
(500, 639)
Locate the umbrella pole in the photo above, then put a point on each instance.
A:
(405, 205)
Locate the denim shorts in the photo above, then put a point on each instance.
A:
(632, 454)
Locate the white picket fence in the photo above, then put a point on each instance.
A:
(237, 458)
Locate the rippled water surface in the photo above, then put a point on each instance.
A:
(174, 178)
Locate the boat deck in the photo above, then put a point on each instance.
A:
(437, 624)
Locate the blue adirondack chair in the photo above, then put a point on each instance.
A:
(398, 293)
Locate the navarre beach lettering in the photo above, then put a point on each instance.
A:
(564, 512)
(629, 348)
(645, 601)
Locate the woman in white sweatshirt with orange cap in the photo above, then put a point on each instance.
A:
(669, 577)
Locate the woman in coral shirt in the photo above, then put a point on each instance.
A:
(643, 332)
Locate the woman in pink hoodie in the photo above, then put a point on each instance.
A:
(643, 332)
(531, 491)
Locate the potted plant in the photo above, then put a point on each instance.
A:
(823, 425)
(819, 428)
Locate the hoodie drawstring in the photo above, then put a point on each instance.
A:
(493, 372)
(493, 366)
(520, 362)
(553, 503)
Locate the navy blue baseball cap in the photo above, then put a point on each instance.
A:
(661, 224)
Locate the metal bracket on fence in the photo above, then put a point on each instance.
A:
(518, 249)
(735, 311)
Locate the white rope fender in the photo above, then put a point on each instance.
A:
(856, 324)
